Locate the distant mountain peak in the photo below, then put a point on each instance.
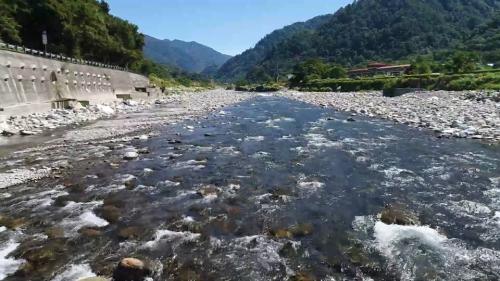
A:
(190, 56)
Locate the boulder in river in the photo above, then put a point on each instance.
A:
(130, 155)
(11, 223)
(132, 232)
(27, 133)
(131, 269)
(393, 214)
(8, 132)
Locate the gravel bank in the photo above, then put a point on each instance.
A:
(115, 125)
(36, 123)
(448, 114)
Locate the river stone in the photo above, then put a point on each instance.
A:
(111, 213)
(398, 215)
(8, 132)
(12, 223)
(130, 155)
(27, 133)
(131, 269)
(132, 232)
(90, 232)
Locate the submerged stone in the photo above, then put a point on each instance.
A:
(12, 223)
(132, 232)
(111, 213)
(90, 232)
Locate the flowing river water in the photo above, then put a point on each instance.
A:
(268, 189)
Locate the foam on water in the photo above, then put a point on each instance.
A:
(71, 225)
(274, 123)
(78, 207)
(261, 257)
(255, 139)
(388, 237)
(260, 155)
(466, 207)
(168, 183)
(43, 199)
(320, 141)
(410, 249)
(309, 187)
(75, 272)
(8, 265)
(229, 150)
(165, 235)
(191, 164)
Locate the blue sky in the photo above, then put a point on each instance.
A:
(229, 26)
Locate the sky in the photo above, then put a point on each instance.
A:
(228, 26)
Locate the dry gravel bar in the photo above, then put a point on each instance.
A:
(449, 114)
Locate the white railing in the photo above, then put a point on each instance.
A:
(21, 49)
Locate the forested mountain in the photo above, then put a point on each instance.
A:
(486, 40)
(189, 56)
(249, 61)
(81, 29)
(363, 31)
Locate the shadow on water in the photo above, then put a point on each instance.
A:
(270, 189)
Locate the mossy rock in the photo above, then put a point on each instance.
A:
(298, 230)
(42, 255)
(90, 232)
(55, 232)
(303, 276)
(281, 233)
(12, 223)
(394, 214)
(111, 213)
(302, 229)
(131, 232)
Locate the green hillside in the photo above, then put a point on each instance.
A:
(364, 31)
(486, 40)
(82, 29)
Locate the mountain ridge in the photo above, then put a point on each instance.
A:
(386, 30)
(190, 56)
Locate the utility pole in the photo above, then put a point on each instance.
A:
(44, 41)
(277, 73)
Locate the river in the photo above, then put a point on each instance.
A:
(268, 189)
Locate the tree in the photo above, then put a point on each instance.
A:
(258, 75)
(463, 62)
(337, 71)
(421, 65)
(9, 27)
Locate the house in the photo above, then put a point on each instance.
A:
(380, 69)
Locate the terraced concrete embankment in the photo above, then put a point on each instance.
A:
(31, 84)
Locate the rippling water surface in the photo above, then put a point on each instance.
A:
(270, 189)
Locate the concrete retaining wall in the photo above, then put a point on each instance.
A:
(31, 84)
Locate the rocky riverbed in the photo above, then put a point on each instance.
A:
(239, 186)
(38, 122)
(448, 114)
(111, 123)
